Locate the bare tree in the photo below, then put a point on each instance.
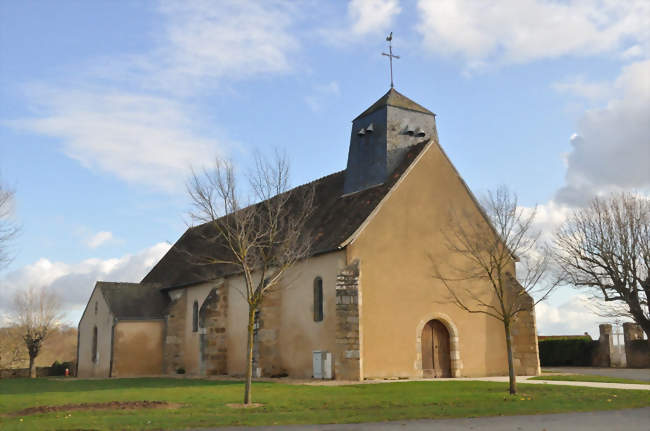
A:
(8, 229)
(480, 274)
(37, 312)
(605, 248)
(12, 347)
(261, 241)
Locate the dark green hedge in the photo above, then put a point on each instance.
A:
(58, 368)
(567, 351)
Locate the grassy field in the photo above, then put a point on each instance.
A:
(590, 378)
(203, 402)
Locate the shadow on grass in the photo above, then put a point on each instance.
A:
(40, 385)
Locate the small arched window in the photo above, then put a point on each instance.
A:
(318, 299)
(195, 316)
(94, 349)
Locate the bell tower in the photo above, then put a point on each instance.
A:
(380, 137)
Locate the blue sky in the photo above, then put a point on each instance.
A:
(104, 106)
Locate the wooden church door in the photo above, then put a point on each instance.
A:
(436, 358)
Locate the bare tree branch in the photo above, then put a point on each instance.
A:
(8, 229)
(605, 248)
(262, 240)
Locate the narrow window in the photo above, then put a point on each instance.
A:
(94, 350)
(95, 307)
(195, 316)
(318, 299)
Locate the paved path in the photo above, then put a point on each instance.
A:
(526, 379)
(623, 373)
(628, 420)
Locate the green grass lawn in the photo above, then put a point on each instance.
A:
(590, 378)
(204, 402)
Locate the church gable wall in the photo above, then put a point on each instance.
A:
(103, 320)
(395, 248)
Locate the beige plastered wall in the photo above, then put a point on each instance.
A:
(297, 333)
(137, 348)
(103, 319)
(399, 294)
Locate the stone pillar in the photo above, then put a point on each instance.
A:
(637, 349)
(603, 356)
(632, 331)
(174, 341)
(266, 339)
(213, 319)
(347, 357)
(525, 349)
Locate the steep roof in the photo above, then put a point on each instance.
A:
(335, 218)
(397, 99)
(139, 301)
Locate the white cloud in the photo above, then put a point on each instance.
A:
(136, 137)
(74, 282)
(580, 87)
(152, 135)
(206, 40)
(99, 238)
(518, 31)
(372, 16)
(364, 18)
(610, 150)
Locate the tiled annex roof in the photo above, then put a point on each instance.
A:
(138, 301)
(335, 219)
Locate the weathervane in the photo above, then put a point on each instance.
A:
(390, 56)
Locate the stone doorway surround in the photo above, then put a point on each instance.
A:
(454, 348)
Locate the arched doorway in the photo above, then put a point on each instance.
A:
(436, 351)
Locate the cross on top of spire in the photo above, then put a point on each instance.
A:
(390, 56)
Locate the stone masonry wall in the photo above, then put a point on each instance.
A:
(213, 318)
(347, 357)
(524, 343)
(174, 341)
(266, 339)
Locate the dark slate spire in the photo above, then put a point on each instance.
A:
(380, 137)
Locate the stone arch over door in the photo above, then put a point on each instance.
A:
(454, 348)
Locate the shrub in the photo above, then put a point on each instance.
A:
(573, 351)
(58, 368)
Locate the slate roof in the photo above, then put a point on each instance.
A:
(138, 301)
(397, 99)
(336, 217)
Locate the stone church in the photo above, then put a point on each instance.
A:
(364, 305)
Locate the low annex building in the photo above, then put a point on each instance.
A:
(365, 298)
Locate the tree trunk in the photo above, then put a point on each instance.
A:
(249, 355)
(511, 363)
(32, 366)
